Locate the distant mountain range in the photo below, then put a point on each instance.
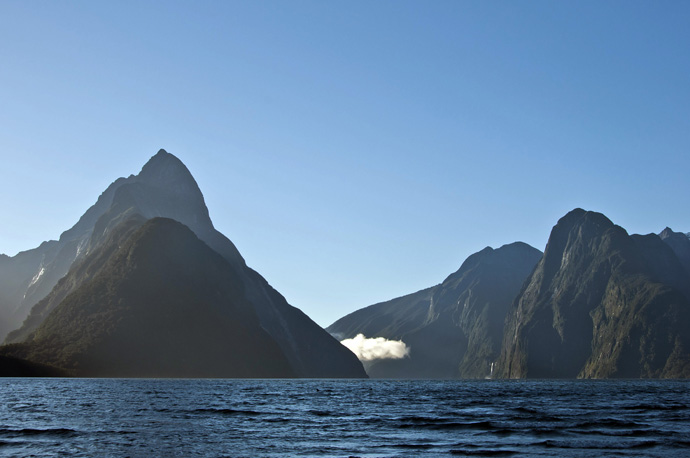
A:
(599, 303)
(143, 285)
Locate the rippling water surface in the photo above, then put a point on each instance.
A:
(340, 418)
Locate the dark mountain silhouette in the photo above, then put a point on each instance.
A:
(161, 304)
(600, 304)
(163, 188)
(455, 329)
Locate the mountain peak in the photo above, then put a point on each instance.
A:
(518, 247)
(679, 243)
(163, 161)
(166, 171)
(580, 216)
(575, 212)
(667, 232)
(577, 226)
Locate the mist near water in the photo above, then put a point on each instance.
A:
(369, 349)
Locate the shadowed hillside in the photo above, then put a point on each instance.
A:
(162, 305)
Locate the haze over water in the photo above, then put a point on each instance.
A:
(342, 418)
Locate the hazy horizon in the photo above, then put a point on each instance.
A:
(352, 153)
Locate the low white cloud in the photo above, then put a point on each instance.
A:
(376, 348)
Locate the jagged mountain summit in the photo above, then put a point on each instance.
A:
(600, 304)
(454, 329)
(163, 188)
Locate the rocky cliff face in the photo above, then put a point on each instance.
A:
(163, 188)
(29, 276)
(599, 304)
(454, 330)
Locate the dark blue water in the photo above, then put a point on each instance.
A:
(333, 418)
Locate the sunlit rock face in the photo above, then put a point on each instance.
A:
(163, 188)
(452, 330)
(600, 303)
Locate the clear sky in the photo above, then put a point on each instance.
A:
(353, 151)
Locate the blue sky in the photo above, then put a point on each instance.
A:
(353, 151)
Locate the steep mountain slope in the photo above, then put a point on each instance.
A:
(454, 330)
(81, 272)
(161, 304)
(599, 304)
(30, 275)
(165, 188)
